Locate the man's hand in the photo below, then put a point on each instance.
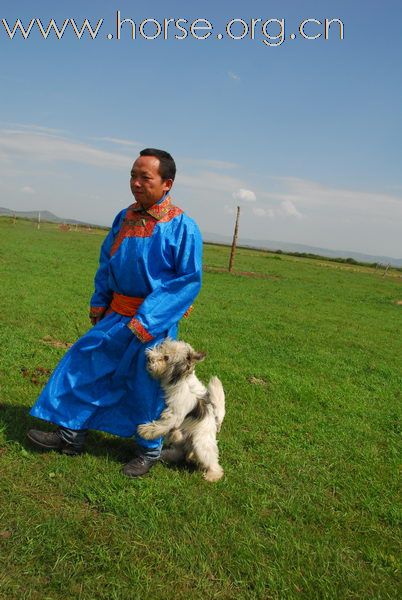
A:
(97, 313)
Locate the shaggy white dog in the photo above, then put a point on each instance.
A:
(193, 413)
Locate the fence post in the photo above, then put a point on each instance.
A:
(232, 253)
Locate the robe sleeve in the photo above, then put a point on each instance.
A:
(102, 296)
(167, 304)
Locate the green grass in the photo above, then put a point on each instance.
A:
(310, 503)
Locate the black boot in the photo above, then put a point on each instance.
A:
(140, 465)
(51, 440)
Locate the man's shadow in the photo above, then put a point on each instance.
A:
(15, 421)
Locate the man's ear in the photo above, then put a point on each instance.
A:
(168, 184)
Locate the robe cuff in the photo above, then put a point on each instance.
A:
(96, 312)
(188, 311)
(139, 330)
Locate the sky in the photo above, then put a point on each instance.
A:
(303, 134)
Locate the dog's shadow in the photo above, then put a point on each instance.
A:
(15, 422)
(181, 465)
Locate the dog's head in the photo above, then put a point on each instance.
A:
(172, 360)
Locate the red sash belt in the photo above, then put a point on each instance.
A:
(125, 305)
(128, 305)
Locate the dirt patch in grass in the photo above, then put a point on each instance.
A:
(258, 381)
(37, 376)
(241, 273)
(5, 535)
(399, 302)
(56, 343)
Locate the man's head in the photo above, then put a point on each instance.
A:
(152, 175)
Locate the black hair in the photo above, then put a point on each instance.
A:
(167, 166)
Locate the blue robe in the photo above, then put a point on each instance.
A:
(101, 382)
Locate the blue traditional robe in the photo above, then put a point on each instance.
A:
(101, 382)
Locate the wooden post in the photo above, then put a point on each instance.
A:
(38, 220)
(234, 241)
(14, 219)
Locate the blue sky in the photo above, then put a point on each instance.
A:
(305, 136)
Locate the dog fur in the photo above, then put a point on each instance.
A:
(193, 413)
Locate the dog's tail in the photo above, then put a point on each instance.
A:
(217, 397)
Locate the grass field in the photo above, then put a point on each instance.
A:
(310, 358)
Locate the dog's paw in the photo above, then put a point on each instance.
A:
(147, 431)
(214, 474)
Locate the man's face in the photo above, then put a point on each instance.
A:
(146, 184)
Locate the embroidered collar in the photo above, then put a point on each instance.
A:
(157, 210)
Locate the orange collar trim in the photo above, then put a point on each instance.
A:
(156, 210)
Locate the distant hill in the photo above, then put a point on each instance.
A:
(45, 215)
(289, 247)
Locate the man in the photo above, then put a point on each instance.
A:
(148, 277)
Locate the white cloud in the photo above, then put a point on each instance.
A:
(27, 189)
(246, 195)
(49, 147)
(234, 76)
(34, 128)
(288, 209)
(312, 198)
(229, 210)
(264, 212)
(119, 142)
(208, 180)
